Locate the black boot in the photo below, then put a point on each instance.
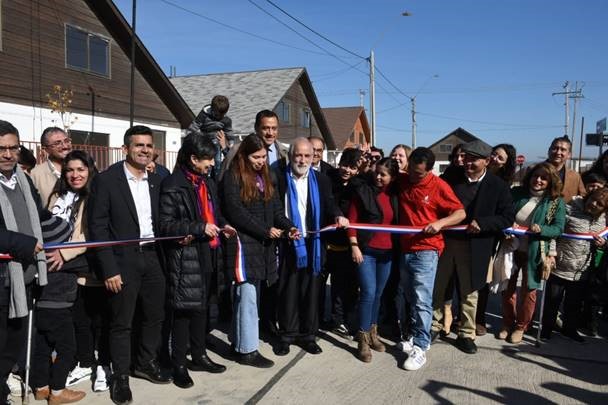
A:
(120, 392)
(204, 363)
(181, 378)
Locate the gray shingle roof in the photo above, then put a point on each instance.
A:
(243, 89)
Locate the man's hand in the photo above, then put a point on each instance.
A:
(294, 234)
(54, 260)
(433, 228)
(473, 227)
(221, 138)
(342, 222)
(228, 231)
(274, 233)
(38, 248)
(211, 230)
(114, 284)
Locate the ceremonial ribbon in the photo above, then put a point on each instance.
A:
(239, 265)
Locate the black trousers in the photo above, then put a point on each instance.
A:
(572, 292)
(482, 305)
(13, 341)
(190, 327)
(344, 288)
(146, 288)
(54, 332)
(298, 298)
(92, 326)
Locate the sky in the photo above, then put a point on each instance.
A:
(488, 66)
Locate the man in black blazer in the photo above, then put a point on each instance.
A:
(300, 278)
(125, 205)
(489, 208)
(318, 147)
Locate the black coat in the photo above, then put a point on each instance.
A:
(369, 210)
(252, 221)
(343, 195)
(112, 215)
(180, 215)
(492, 208)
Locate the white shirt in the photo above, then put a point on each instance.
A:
(9, 183)
(53, 169)
(302, 190)
(479, 179)
(141, 196)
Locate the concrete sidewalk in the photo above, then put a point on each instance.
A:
(561, 371)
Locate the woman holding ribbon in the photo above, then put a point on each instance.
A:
(374, 203)
(189, 206)
(253, 208)
(62, 304)
(541, 210)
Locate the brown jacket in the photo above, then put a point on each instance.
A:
(44, 180)
(573, 185)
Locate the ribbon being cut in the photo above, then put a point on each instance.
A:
(398, 229)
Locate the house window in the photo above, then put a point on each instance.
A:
(305, 118)
(283, 111)
(86, 51)
(445, 148)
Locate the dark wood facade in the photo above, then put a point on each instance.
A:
(33, 60)
(297, 101)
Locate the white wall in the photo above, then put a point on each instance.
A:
(31, 121)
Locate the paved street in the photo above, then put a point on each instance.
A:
(561, 371)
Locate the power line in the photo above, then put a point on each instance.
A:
(238, 29)
(392, 84)
(313, 31)
(514, 126)
(353, 66)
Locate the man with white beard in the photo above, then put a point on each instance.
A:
(309, 204)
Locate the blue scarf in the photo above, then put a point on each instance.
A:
(294, 214)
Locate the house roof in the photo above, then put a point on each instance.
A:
(250, 92)
(463, 134)
(341, 121)
(120, 30)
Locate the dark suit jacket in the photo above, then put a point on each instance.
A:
(324, 167)
(329, 210)
(112, 216)
(493, 210)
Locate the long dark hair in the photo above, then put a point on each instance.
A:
(242, 170)
(507, 172)
(62, 186)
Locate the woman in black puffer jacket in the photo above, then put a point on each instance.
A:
(189, 206)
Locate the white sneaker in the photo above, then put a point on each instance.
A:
(415, 360)
(406, 346)
(78, 375)
(101, 380)
(15, 384)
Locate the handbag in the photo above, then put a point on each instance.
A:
(547, 265)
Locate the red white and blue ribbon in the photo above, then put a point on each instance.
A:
(239, 266)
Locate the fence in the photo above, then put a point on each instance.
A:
(104, 156)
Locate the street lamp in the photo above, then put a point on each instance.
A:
(413, 102)
(372, 81)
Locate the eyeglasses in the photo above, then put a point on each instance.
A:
(57, 144)
(12, 149)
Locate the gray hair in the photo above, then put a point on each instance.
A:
(298, 141)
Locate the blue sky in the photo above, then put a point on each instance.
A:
(498, 62)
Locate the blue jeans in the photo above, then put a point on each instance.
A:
(418, 271)
(373, 275)
(244, 333)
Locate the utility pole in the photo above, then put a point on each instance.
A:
(566, 93)
(372, 97)
(576, 94)
(413, 100)
(132, 98)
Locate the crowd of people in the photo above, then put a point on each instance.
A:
(240, 227)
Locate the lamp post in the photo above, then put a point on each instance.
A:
(372, 82)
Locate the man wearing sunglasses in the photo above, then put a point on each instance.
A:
(56, 144)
